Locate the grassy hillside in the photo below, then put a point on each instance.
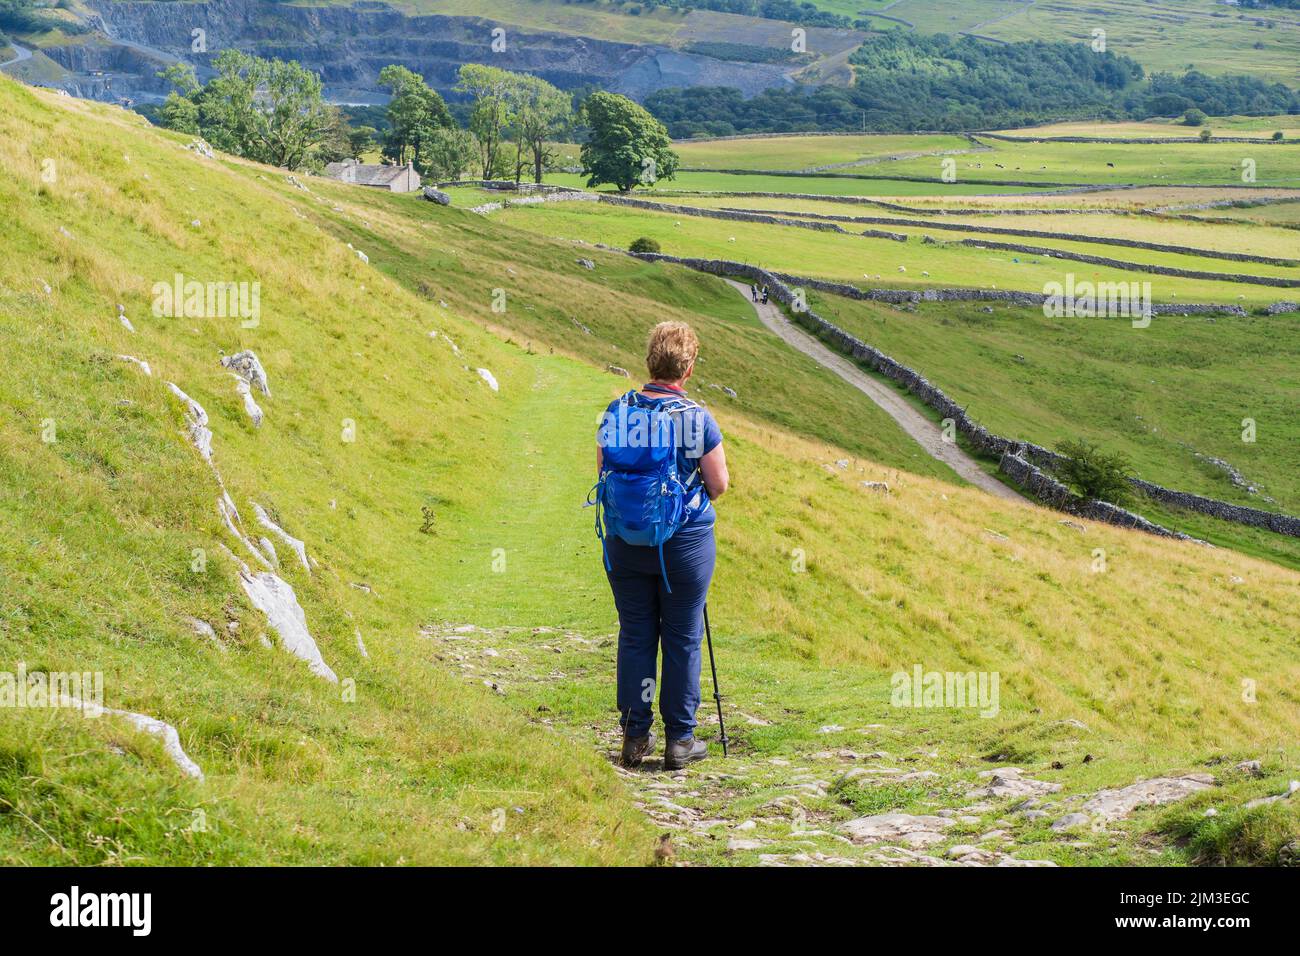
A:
(1167, 36)
(1163, 394)
(102, 519)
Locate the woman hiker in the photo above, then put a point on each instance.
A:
(659, 591)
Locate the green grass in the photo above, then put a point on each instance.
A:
(1125, 163)
(802, 152)
(1171, 35)
(1262, 127)
(821, 185)
(1160, 394)
(99, 527)
(849, 258)
(1236, 237)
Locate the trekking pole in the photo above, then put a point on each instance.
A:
(717, 697)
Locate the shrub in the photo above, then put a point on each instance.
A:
(1194, 117)
(1278, 135)
(644, 244)
(1095, 473)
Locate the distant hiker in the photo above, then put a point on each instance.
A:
(661, 466)
(753, 292)
(765, 295)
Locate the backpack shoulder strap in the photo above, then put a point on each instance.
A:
(675, 406)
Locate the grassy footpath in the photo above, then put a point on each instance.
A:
(806, 658)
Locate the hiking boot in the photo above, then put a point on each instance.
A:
(635, 749)
(678, 753)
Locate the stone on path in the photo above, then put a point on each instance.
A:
(1118, 803)
(901, 827)
(1010, 782)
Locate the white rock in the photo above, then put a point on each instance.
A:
(200, 434)
(490, 379)
(1118, 803)
(247, 366)
(251, 408)
(1009, 782)
(274, 597)
(140, 363)
(204, 629)
(902, 827)
(1070, 820)
(164, 731)
(230, 515)
(298, 547)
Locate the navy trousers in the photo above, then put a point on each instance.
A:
(650, 619)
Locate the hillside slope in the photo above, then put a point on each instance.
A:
(374, 428)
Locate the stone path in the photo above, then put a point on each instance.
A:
(926, 433)
(824, 805)
(795, 809)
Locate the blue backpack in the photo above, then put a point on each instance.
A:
(639, 494)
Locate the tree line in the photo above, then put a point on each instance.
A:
(273, 112)
(906, 81)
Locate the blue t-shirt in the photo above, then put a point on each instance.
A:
(699, 434)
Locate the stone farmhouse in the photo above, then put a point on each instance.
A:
(397, 179)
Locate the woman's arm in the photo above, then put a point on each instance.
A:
(600, 458)
(713, 471)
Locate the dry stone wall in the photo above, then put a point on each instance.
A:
(1021, 461)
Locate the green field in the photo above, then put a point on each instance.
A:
(491, 745)
(1161, 394)
(828, 185)
(1261, 127)
(1175, 163)
(876, 262)
(1235, 237)
(802, 152)
(1169, 35)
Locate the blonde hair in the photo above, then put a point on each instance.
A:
(670, 351)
